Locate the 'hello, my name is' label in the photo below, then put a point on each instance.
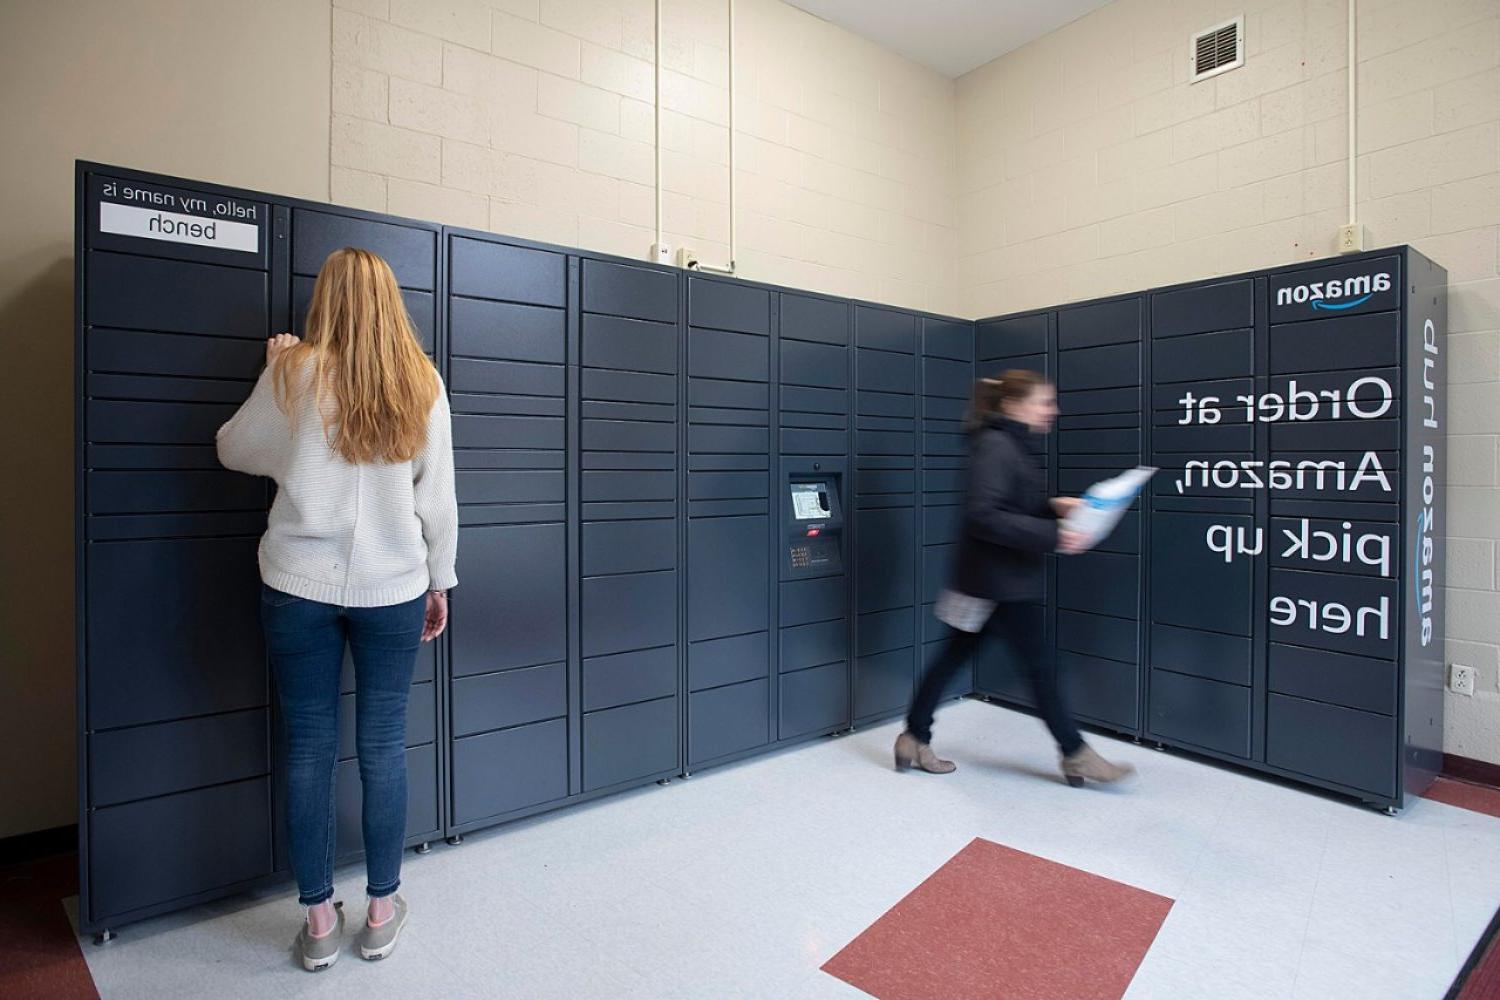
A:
(175, 227)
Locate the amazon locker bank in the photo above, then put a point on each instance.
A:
(705, 518)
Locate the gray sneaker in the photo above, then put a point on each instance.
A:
(378, 942)
(318, 953)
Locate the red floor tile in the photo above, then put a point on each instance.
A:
(39, 955)
(1484, 982)
(1475, 798)
(997, 923)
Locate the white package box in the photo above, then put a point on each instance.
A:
(1104, 503)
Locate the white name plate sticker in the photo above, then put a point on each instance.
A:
(174, 227)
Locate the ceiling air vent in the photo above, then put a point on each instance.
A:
(1219, 49)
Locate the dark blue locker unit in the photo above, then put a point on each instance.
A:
(1001, 344)
(1357, 704)
(412, 251)
(175, 730)
(814, 431)
(885, 511)
(1203, 626)
(1295, 564)
(508, 675)
(947, 388)
(1099, 433)
(615, 470)
(631, 519)
(727, 587)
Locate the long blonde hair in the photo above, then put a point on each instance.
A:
(361, 348)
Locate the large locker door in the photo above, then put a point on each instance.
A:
(508, 680)
(1202, 633)
(629, 474)
(1099, 433)
(177, 295)
(412, 252)
(885, 511)
(947, 389)
(813, 430)
(1002, 344)
(729, 518)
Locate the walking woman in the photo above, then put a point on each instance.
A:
(1009, 525)
(352, 424)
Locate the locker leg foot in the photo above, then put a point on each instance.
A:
(1160, 746)
(1391, 811)
(424, 848)
(985, 698)
(664, 781)
(686, 775)
(456, 839)
(104, 937)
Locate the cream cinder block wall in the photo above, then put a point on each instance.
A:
(1088, 165)
(217, 89)
(534, 118)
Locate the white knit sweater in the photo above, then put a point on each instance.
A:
(354, 535)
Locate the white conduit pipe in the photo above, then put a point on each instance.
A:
(657, 122)
(1352, 112)
(731, 137)
(732, 247)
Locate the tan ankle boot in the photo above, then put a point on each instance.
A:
(912, 753)
(1085, 763)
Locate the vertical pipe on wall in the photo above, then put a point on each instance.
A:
(656, 123)
(731, 137)
(1353, 113)
(700, 266)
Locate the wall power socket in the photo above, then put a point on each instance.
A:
(1461, 680)
(1351, 238)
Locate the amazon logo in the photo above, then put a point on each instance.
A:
(1335, 294)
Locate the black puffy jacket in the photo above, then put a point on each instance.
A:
(1009, 523)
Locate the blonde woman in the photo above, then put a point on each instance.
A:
(352, 424)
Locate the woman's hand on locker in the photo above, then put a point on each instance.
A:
(278, 344)
(436, 618)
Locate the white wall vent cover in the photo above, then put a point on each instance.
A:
(1218, 49)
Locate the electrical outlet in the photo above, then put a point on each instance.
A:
(1351, 238)
(661, 253)
(687, 258)
(1461, 681)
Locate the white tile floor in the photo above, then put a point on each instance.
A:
(741, 882)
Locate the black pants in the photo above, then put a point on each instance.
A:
(1013, 623)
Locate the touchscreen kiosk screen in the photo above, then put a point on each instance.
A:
(810, 502)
